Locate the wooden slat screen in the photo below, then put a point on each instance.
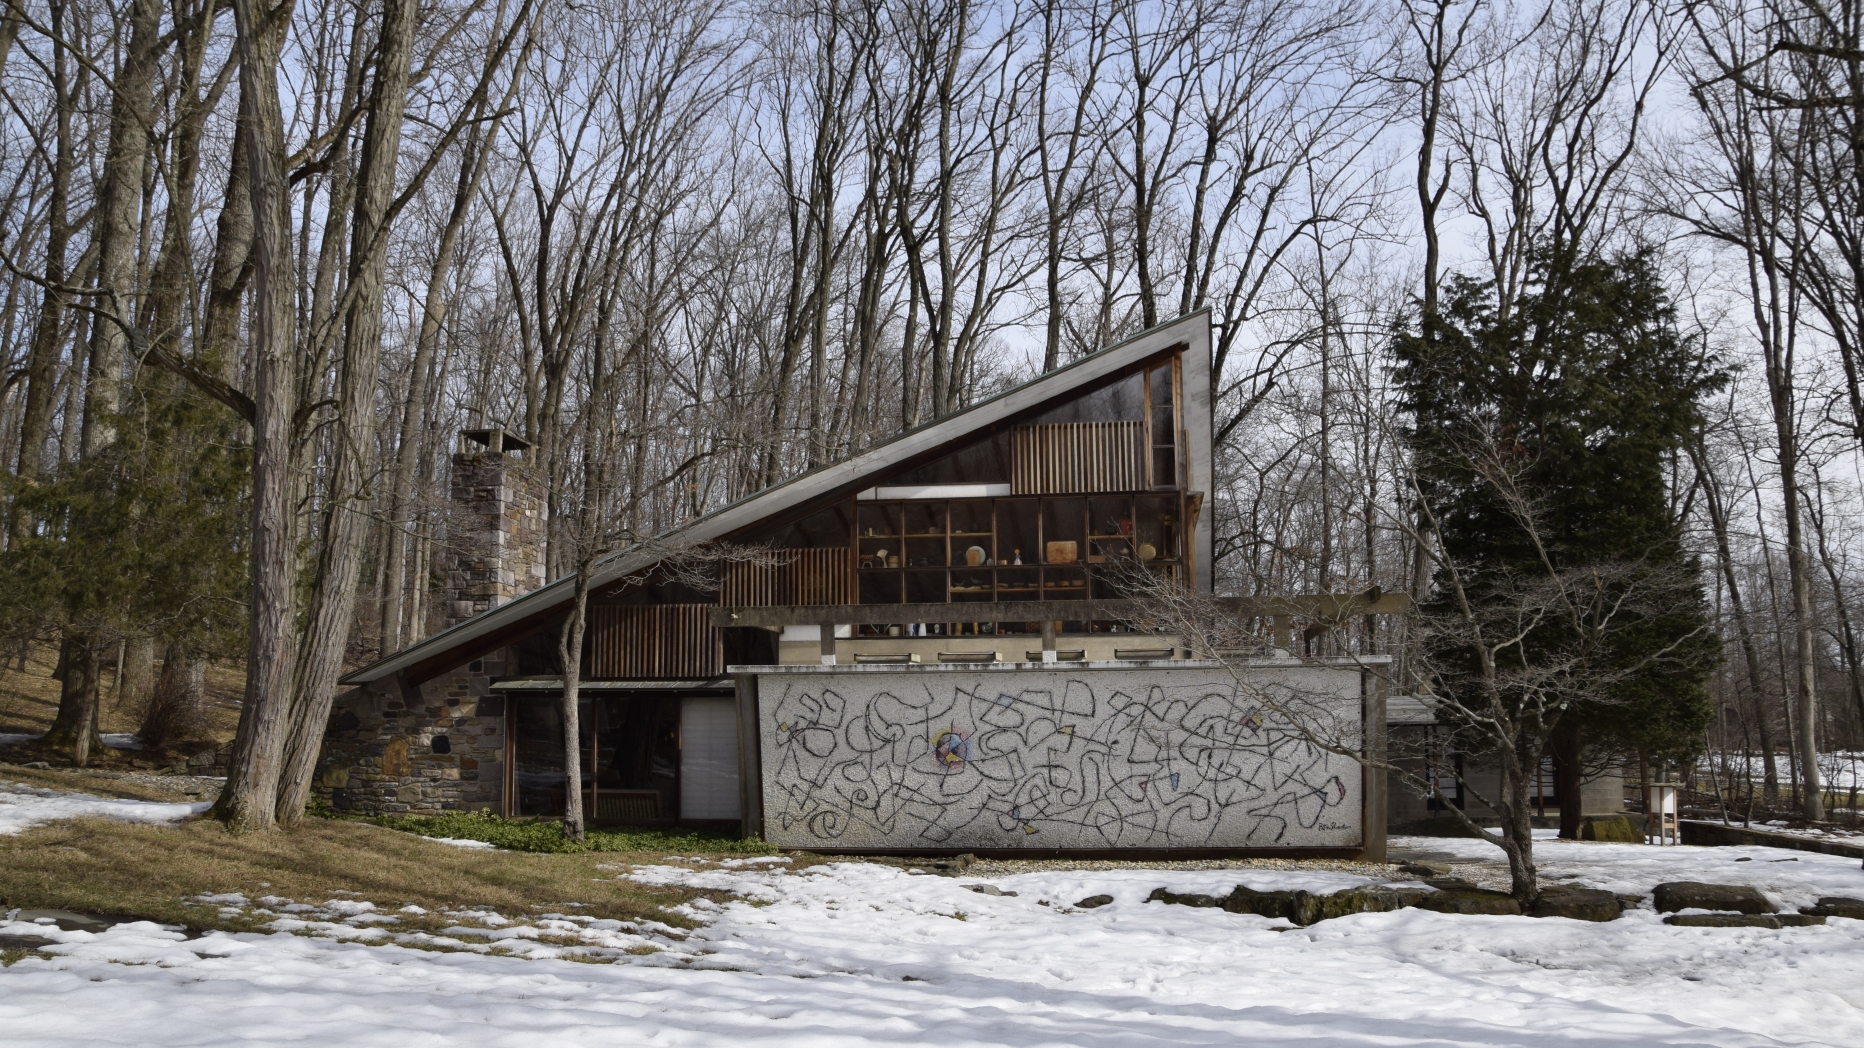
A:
(805, 576)
(1070, 457)
(654, 642)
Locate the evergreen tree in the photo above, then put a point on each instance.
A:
(1580, 390)
(144, 540)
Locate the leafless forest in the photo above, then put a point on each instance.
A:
(694, 247)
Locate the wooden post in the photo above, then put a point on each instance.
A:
(1373, 777)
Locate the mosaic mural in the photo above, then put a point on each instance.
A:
(1046, 759)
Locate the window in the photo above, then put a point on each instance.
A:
(1163, 423)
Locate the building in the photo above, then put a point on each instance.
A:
(936, 654)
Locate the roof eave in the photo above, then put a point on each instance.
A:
(823, 480)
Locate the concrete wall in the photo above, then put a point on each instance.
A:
(1081, 757)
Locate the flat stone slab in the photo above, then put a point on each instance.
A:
(25, 942)
(69, 921)
(1576, 903)
(1838, 906)
(1723, 920)
(1093, 902)
(1471, 901)
(1301, 908)
(1694, 895)
(990, 889)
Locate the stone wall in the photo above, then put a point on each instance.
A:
(383, 754)
(496, 534)
(442, 746)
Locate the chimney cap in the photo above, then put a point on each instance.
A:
(496, 439)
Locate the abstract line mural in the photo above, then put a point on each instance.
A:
(1045, 759)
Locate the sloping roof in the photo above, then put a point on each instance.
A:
(848, 475)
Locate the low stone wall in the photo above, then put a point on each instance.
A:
(445, 751)
(1714, 834)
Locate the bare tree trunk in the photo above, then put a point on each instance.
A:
(407, 452)
(333, 601)
(42, 359)
(569, 650)
(1847, 637)
(1568, 777)
(1806, 696)
(75, 726)
(1718, 520)
(231, 272)
(119, 215)
(136, 680)
(248, 801)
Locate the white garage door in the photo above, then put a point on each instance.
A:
(708, 759)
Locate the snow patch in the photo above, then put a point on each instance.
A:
(22, 806)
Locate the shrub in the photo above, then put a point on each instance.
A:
(536, 835)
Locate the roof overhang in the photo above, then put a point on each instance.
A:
(515, 619)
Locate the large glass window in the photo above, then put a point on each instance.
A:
(1163, 423)
(985, 462)
(1122, 401)
(630, 757)
(537, 744)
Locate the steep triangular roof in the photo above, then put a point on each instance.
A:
(507, 622)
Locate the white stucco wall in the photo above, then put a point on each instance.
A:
(1088, 756)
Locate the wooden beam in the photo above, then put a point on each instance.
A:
(1326, 607)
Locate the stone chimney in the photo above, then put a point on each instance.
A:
(500, 515)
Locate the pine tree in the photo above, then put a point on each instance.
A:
(1581, 390)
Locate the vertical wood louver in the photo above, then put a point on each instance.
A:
(1075, 457)
(804, 576)
(654, 642)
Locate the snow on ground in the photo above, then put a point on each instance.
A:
(116, 740)
(863, 954)
(1835, 833)
(22, 806)
(1791, 878)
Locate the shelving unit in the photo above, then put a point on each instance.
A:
(927, 564)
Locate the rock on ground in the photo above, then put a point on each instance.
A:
(1672, 896)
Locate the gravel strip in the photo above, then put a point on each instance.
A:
(1005, 867)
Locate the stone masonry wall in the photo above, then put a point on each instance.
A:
(497, 533)
(444, 748)
(382, 754)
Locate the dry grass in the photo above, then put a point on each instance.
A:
(98, 783)
(29, 697)
(104, 866)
